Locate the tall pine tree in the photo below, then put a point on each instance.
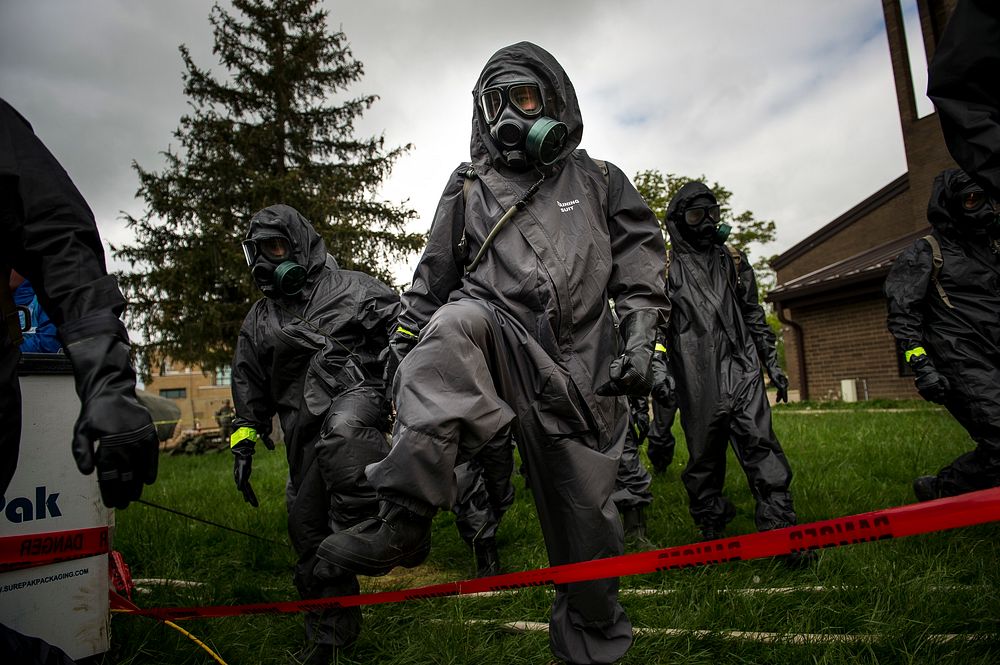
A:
(278, 128)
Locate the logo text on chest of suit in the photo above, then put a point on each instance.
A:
(566, 206)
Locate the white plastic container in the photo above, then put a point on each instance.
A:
(65, 604)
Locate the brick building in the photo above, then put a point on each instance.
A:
(198, 394)
(829, 286)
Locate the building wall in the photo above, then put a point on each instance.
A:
(848, 340)
(201, 397)
(793, 370)
(926, 156)
(881, 225)
(926, 152)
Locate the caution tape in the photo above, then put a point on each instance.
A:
(40, 549)
(940, 515)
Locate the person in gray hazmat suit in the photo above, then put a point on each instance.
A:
(313, 351)
(479, 507)
(661, 443)
(716, 343)
(962, 82)
(522, 336)
(632, 494)
(946, 321)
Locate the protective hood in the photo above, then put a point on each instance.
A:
(675, 214)
(536, 62)
(307, 247)
(937, 208)
(942, 210)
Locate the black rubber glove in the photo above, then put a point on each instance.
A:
(639, 413)
(780, 381)
(242, 468)
(932, 386)
(631, 372)
(664, 389)
(111, 416)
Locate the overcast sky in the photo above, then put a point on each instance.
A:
(788, 103)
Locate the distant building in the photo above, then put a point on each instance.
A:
(829, 286)
(198, 394)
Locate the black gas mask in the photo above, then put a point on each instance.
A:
(270, 259)
(701, 223)
(513, 109)
(975, 212)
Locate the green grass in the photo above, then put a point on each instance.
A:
(899, 593)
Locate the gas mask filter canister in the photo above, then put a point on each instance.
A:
(513, 111)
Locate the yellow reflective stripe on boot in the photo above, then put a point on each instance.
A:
(244, 434)
(914, 353)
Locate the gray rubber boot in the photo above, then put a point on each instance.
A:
(634, 522)
(487, 557)
(396, 537)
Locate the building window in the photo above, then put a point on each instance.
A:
(224, 376)
(173, 393)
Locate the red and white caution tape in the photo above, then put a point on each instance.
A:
(940, 515)
(40, 549)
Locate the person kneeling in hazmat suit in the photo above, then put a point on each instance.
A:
(717, 342)
(522, 336)
(313, 351)
(944, 311)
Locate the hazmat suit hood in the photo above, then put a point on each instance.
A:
(674, 220)
(307, 247)
(939, 212)
(557, 90)
(944, 211)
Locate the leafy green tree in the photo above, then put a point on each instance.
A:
(276, 127)
(658, 189)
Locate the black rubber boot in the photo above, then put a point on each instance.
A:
(927, 488)
(798, 560)
(717, 528)
(634, 522)
(317, 654)
(396, 537)
(487, 557)
(659, 458)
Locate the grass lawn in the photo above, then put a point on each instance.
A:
(891, 600)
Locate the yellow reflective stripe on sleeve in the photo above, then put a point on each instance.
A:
(659, 347)
(244, 434)
(406, 332)
(913, 353)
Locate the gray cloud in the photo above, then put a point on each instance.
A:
(788, 104)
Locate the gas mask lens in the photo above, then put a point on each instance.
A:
(525, 96)
(694, 216)
(249, 251)
(973, 200)
(274, 248)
